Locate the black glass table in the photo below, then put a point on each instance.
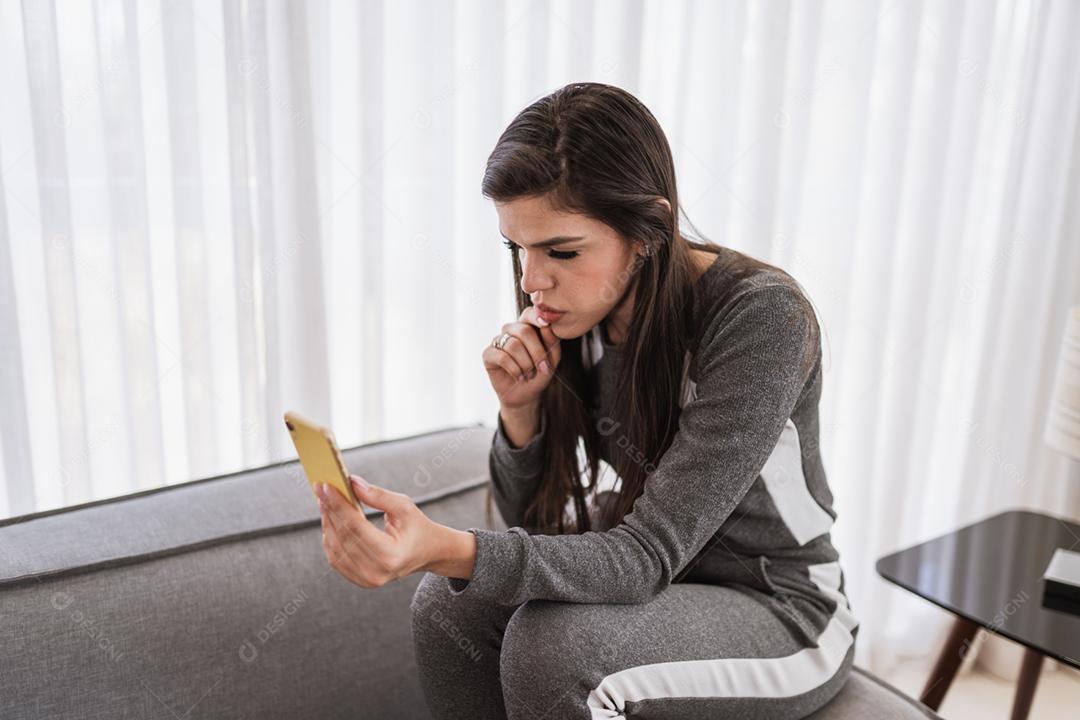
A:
(989, 575)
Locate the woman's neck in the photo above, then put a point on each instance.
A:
(615, 326)
(610, 338)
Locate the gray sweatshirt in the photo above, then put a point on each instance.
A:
(740, 496)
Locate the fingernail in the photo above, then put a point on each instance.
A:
(521, 378)
(321, 489)
(541, 321)
(544, 367)
(361, 482)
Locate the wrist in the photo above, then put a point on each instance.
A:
(454, 553)
(520, 412)
(520, 426)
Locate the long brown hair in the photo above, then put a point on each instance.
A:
(595, 149)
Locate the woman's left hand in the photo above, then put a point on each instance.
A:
(364, 554)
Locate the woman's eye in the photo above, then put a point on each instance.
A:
(557, 254)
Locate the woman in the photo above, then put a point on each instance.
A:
(702, 585)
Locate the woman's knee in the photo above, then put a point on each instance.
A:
(541, 661)
(442, 618)
(431, 603)
(429, 591)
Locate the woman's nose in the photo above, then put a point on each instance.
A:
(533, 277)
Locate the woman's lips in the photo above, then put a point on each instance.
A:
(549, 316)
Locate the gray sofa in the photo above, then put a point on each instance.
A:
(213, 599)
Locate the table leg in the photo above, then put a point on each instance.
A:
(948, 662)
(1025, 686)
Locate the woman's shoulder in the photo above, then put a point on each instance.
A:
(742, 302)
(735, 280)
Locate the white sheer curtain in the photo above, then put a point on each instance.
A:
(213, 211)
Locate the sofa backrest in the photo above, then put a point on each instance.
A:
(213, 598)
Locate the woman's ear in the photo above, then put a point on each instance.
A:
(664, 201)
(644, 250)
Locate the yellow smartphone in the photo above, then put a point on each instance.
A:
(319, 454)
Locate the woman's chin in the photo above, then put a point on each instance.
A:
(568, 328)
(566, 332)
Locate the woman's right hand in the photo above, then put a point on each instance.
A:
(517, 371)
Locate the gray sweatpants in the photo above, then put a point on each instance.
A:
(693, 651)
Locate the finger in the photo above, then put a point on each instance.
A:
(515, 346)
(329, 537)
(335, 497)
(353, 526)
(553, 345)
(495, 358)
(531, 316)
(380, 498)
(548, 337)
(549, 343)
(529, 335)
(348, 554)
(330, 543)
(346, 563)
(348, 559)
(337, 516)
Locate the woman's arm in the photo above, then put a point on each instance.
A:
(515, 466)
(519, 426)
(752, 359)
(516, 471)
(515, 460)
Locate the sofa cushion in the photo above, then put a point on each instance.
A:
(866, 697)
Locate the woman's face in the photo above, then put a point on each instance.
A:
(583, 273)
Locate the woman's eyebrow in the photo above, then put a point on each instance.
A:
(557, 240)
